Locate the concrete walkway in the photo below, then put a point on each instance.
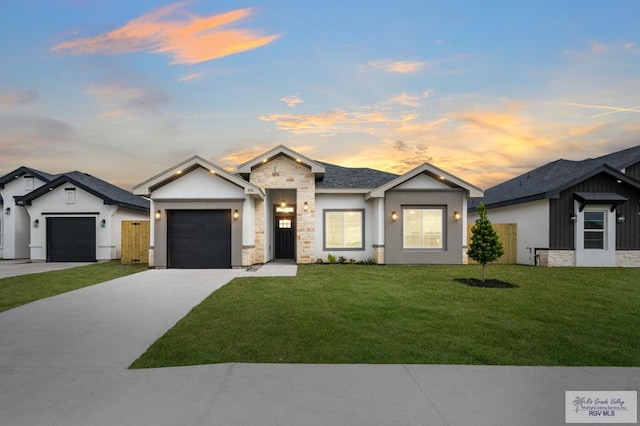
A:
(63, 361)
(15, 267)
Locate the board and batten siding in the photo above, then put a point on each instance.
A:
(562, 230)
(633, 171)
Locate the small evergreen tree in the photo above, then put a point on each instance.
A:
(485, 244)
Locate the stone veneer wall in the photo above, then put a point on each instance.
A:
(378, 254)
(248, 255)
(465, 256)
(285, 173)
(556, 258)
(628, 258)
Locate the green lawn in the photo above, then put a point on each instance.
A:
(414, 314)
(16, 291)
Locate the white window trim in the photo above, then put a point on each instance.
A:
(342, 248)
(443, 238)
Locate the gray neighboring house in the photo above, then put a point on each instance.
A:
(69, 217)
(573, 213)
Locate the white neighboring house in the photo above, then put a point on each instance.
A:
(284, 205)
(70, 217)
(573, 213)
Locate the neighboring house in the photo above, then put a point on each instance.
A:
(573, 213)
(283, 205)
(62, 218)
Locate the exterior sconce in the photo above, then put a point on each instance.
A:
(103, 223)
(456, 216)
(158, 214)
(236, 214)
(7, 211)
(573, 218)
(305, 206)
(620, 219)
(283, 203)
(36, 223)
(394, 216)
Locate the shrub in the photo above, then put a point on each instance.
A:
(342, 260)
(332, 258)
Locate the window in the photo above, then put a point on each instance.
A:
(344, 229)
(28, 181)
(423, 228)
(70, 195)
(284, 223)
(594, 227)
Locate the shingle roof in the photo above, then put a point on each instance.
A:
(357, 178)
(550, 178)
(111, 194)
(22, 170)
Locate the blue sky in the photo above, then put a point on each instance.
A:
(483, 89)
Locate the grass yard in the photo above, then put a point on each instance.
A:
(16, 291)
(414, 314)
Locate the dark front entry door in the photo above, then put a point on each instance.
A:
(285, 237)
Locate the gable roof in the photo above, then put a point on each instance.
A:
(315, 166)
(432, 171)
(339, 177)
(109, 193)
(23, 170)
(145, 188)
(549, 180)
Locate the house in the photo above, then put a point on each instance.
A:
(284, 205)
(573, 213)
(62, 218)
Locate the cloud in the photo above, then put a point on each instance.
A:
(401, 67)
(186, 38)
(407, 99)
(191, 77)
(11, 99)
(119, 99)
(292, 100)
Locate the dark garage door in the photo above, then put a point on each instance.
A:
(199, 239)
(71, 239)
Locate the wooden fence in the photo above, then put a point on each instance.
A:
(508, 233)
(135, 241)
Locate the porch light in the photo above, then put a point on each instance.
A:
(236, 214)
(620, 219)
(158, 214)
(7, 211)
(573, 218)
(456, 216)
(36, 223)
(283, 204)
(103, 223)
(305, 206)
(394, 216)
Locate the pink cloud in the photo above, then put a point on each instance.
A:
(292, 100)
(402, 67)
(187, 38)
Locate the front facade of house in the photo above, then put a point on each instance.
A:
(283, 205)
(574, 213)
(71, 217)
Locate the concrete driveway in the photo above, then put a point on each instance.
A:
(64, 359)
(12, 268)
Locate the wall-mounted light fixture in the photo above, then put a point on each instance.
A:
(394, 216)
(158, 214)
(7, 211)
(36, 223)
(305, 206)
(573, 218)
(456, 216)
(236, 214)
(103, 223)
(620, 219)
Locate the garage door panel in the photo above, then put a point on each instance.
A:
(71, 239)
(199, 239)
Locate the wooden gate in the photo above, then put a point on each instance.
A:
(508, 233)
(135, 241)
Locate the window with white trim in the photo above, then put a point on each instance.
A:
(423, 227)
(594, 229)
(344, 229)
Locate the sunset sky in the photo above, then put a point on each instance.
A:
(483, 89)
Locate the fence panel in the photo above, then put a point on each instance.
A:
(508, 233)
(136, 236)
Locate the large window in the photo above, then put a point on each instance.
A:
(594, 227)
(423, 227)
(344, 229)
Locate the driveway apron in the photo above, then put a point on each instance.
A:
(57, 351)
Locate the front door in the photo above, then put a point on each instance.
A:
(285, 236)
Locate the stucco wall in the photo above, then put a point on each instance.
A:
(533, 226)
(451, 200)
